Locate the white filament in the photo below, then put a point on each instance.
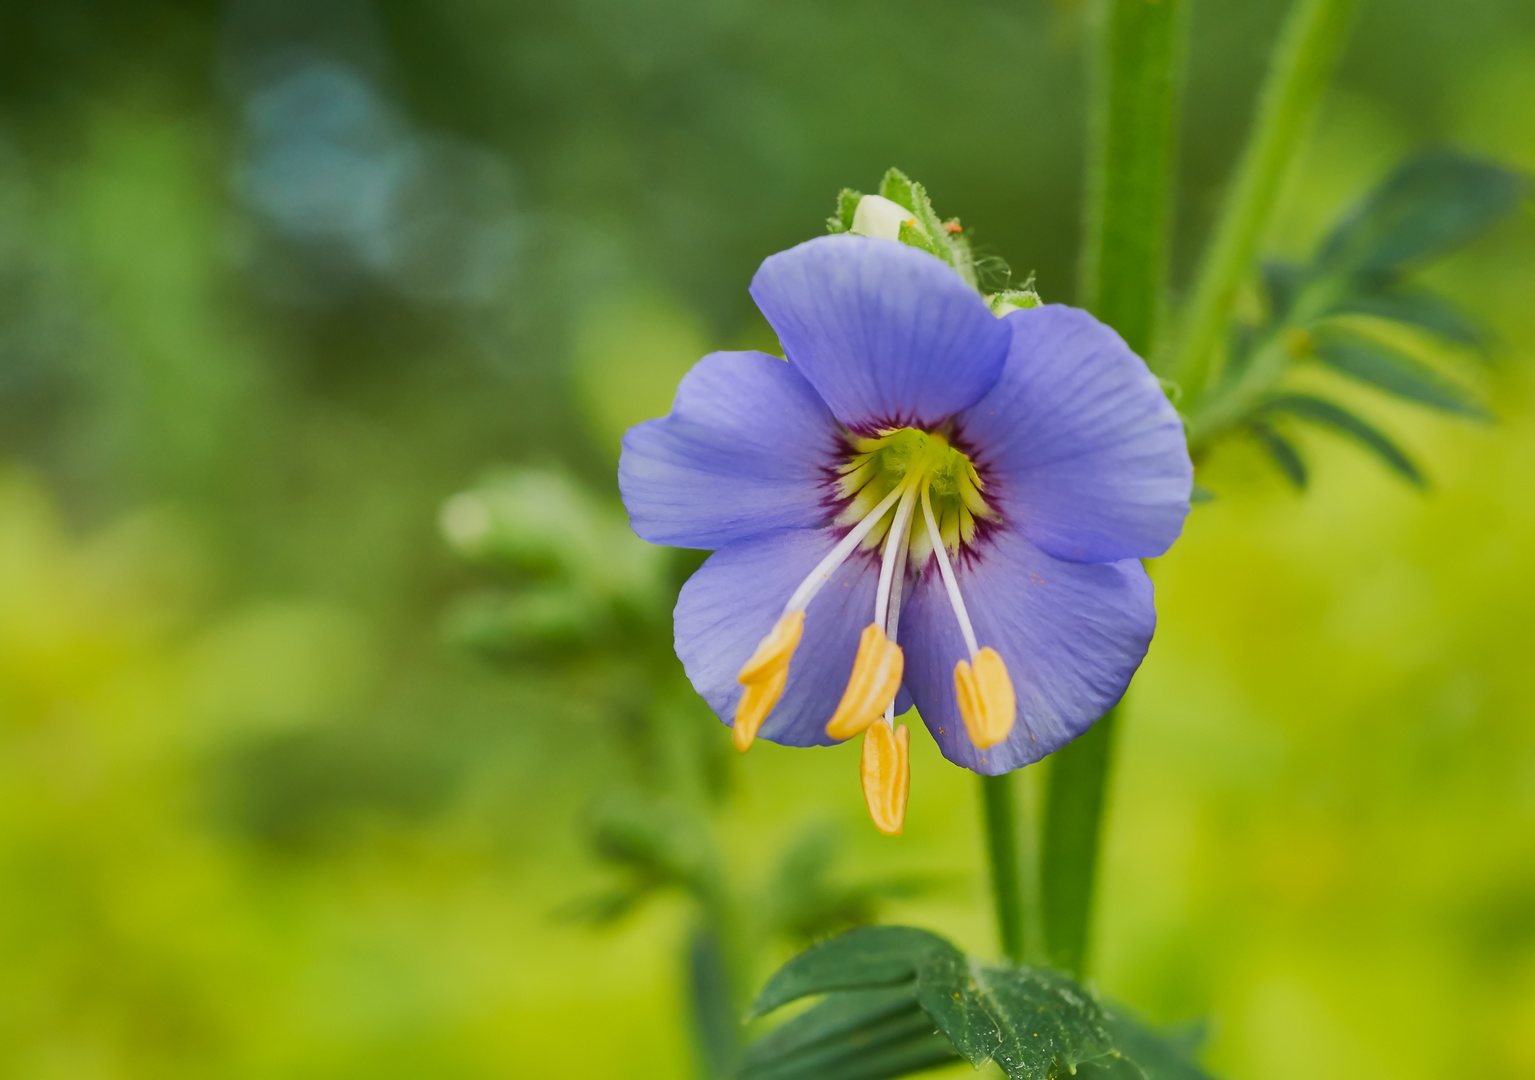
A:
(801, 597)
(955, 600)
(900, 527)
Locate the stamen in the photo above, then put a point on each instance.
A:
(876, 677)
(886, 773)
(899, 533)
(986, 698)
(947, 571)
(764, 676)
(837, 556)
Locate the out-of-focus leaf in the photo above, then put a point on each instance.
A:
(716, 1027)
(1201, 494)
(857, 1035)
(1428, 206)
(1415, 307)
(1145, 1053)
(1033, 1023)
(1326, 414)
(1281, 281)
(1389, 369)
(542, 618)
(1283, 451)
(808, 900)
(656, 839)
(609, 906)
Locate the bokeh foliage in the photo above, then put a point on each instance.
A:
(258, 818)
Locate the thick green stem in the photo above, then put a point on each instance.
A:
(1130, 157)
(999, 809)
(1073, 814)
(1131, 153)
(1304, 59)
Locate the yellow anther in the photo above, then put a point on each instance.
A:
(876, 677)
(764, 676)
(986, 698)
(886, 772)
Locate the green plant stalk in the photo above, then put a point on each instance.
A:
(1131, 143)
(1303, 62)
(1068, 857)
(999, 810)
(1137, 74)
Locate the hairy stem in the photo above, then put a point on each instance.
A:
(1303, 61)
(1068, 870)
(1130, 157)
(1131, 152)
(999, 810)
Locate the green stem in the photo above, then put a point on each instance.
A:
(1131, 143)
(1130, 158)
(1073, 814)
(999, 808)
(1304, 58)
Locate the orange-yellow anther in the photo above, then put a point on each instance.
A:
(764, 676)
(886, 771)
(876, 677)
(986, 698)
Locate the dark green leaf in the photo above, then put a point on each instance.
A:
(1428, 206)
(1389, 369)
(1415, 307)
(716, 1027)
(1281, 282)
(1326, 414)
(863, 1034)
(660, 841)
(1283, 452)
(861, 959)
(1032, 1022)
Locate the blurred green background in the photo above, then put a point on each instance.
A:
(279, 277)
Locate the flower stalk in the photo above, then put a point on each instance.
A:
(1304, 59)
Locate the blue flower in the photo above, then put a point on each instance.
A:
(926, 504)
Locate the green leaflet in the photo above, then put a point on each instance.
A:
(1032, 1022)
(856, 1035)
(1395, 372)
(1283, 453)
(847, 206)
(1414, 307)
(1336, 418)
(1427, 207)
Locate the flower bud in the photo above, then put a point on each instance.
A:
(881, 217)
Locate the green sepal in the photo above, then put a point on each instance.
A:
(913, 236)
(1013, 299)
(847, 206)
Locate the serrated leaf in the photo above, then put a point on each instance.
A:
(858, 1035)
(1415, 307)
(1326, 414)
(1283, 453)
(1395, 372)
(1428, 206)
(861, 959)
(1031, 1022)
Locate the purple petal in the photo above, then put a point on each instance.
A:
(1080, 448)
(742, 451)
(1071, 634)
(734, 599)
(888, 335)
